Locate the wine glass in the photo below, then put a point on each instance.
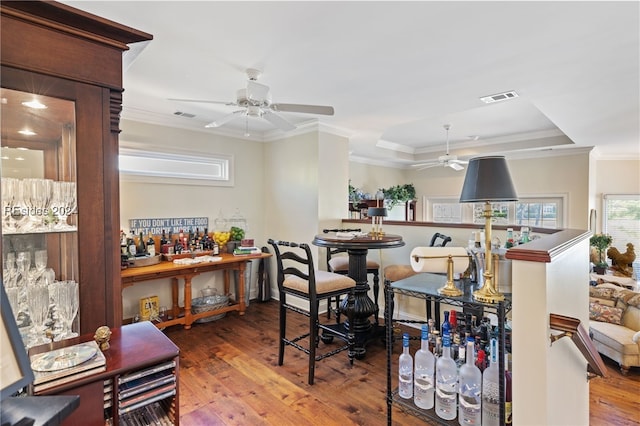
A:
(40, 260)
(67, 300)
(38, 303)
(64, 203)
(9, 194)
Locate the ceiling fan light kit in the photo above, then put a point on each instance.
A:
(256, 102)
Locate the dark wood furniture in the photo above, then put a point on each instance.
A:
(37, 410)
(56, 50)
(134, 348)
(425, 286)
(298, 277)
(357, 248)
(227, 263)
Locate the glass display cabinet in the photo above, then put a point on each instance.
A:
(39, 214)
(61, 98)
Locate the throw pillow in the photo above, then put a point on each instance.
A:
(630, 297)
(602, 292)
(603, 313)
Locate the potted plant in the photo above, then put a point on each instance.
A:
(600, 242)
(399, 194)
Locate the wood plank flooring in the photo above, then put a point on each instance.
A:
(229, 376)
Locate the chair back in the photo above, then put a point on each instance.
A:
(439, 240)
(293, 259)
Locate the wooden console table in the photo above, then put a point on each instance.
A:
(227, 263)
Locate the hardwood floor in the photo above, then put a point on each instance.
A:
(229, 376)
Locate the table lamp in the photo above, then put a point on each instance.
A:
(376, 214)
(488, 180)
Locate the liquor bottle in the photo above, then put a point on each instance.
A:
(405, 367)
(508, 405)
(446, 382)
(151, 245)
(462, 357)
(453, 320)
(510, 241)
(446, 325)
(132, 245)
(141, 247)
(491, 390)
(469, 395)
(163, 239)
(481, 360)
(124, 246)
(423, 390)
(177, 247)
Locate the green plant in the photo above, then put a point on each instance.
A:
(399, 194)
(600, 242)
(354, 194)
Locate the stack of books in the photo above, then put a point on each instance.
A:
(246, 251)
(60, 366)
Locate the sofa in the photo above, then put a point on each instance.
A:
(614, 323)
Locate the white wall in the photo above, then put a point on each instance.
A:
(152, 200)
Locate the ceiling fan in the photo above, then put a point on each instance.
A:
(255, 101)
(446, 160)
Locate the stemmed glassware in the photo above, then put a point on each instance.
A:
(66, 297)
(38, 303)
(64, 203)
(9, 195)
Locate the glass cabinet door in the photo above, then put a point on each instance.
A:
(39, 215)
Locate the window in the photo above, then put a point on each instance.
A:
(622, 219)
(542, 212)
(165, 167)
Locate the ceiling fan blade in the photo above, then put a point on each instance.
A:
(307, 109)
(203, 101)
(426, 166)
(455, 166)
(277, 121)
(225, 119)
(257, 92)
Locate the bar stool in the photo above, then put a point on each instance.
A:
(298, 277)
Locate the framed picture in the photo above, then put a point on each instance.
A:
(149, 307)
(15, 369)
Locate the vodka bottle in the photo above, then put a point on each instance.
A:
(423, 389)
(469, 395)
(405, 366)
(446, 382)
(446, 325)
(491, 390)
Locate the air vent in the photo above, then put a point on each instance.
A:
(184, 114)
(499, 97)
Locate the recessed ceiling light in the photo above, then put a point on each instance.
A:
(499, 97)
(19, 159)
(4, 157)
(22, 148)
(27, 132)
(34, 104)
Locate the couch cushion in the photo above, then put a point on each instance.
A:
(602, 292)
(604, 313)
(631, 318)
(617, 337)
(606, 302)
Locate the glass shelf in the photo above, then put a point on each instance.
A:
(40, 268)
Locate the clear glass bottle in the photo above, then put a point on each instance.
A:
(470, 390)
(423, 390)
(446, 382)
(151, 245)
(491, 390)
(405, 367)
(141, 247)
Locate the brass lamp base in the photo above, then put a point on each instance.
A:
(487, 294)
(450, 289)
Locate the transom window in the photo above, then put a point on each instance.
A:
(540, 212)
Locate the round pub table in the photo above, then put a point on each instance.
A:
(357, 248)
